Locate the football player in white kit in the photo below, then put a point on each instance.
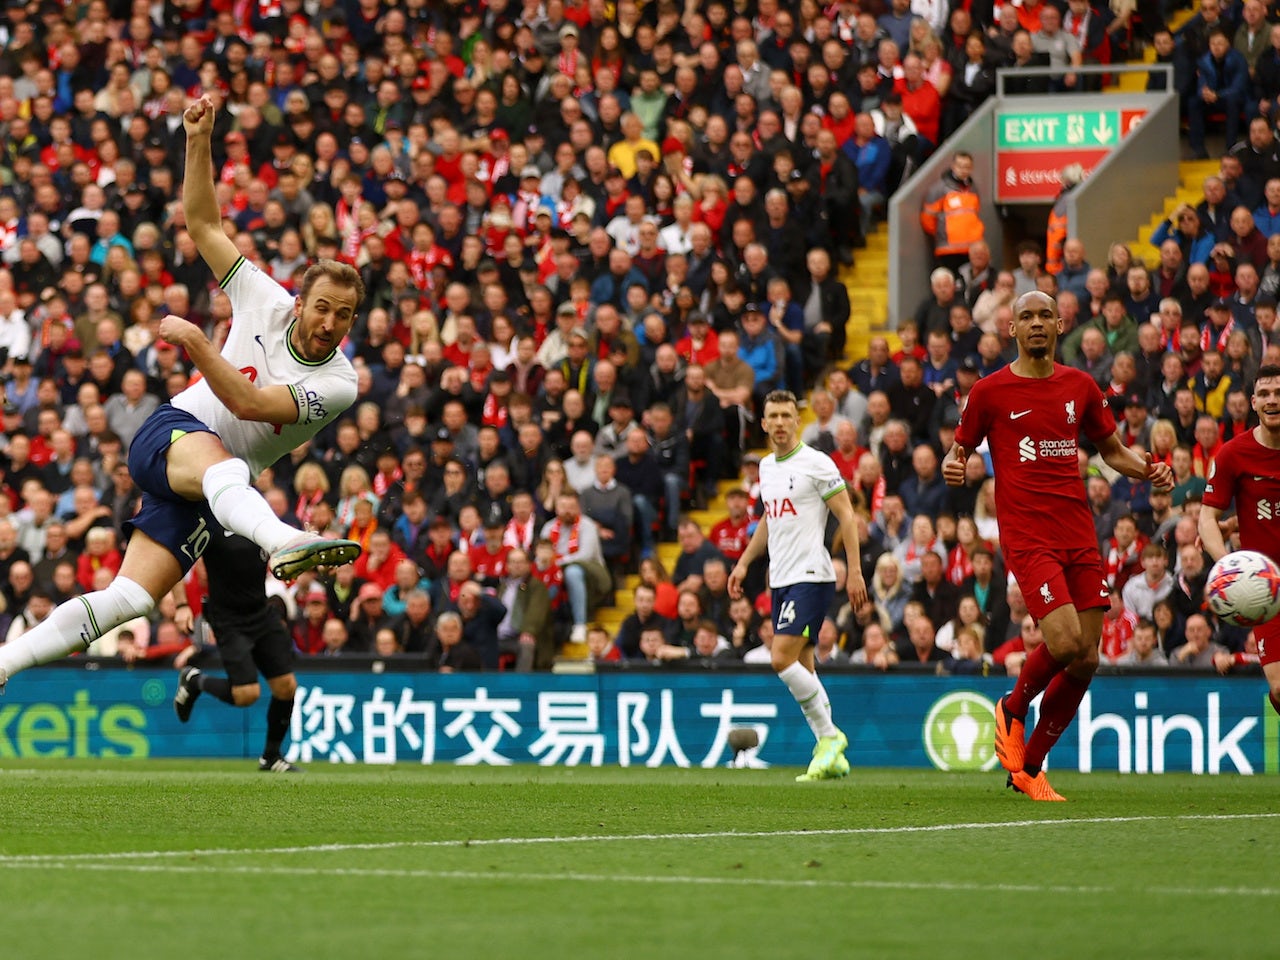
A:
(799, 486)
(279, 379)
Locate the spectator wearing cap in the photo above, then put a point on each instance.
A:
(621, 420)
(1220, 323)
(1135, 428)
(761, 348)
(700, 344)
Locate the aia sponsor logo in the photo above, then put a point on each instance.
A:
(775, 509)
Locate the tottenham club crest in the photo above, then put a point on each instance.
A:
(1071, 411)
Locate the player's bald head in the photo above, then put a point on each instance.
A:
(1034, 299)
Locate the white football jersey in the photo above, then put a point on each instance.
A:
(258, 346)
(794, 489)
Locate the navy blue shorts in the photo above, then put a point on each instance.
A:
(181, 526)
(799, 609)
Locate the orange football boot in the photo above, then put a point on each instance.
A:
(1011, 742)
(1037, 787)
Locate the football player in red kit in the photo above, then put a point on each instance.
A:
(1247, 469)
(1032, 413)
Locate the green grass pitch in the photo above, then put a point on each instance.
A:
(200, 859)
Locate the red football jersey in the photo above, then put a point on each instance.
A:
(729, 539)
(1250, 473)
(1033, 428)
(489, 565)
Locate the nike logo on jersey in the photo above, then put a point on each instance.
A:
(1016, 416)
(260, 343)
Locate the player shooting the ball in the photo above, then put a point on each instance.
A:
(279, 379)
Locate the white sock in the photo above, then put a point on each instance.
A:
(76, 624)
(241, 509)
(812, 697)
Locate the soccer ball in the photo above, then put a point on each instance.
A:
(1244, 588)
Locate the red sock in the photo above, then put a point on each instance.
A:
(1275, 703)
(1039, 668)
(1058, 708)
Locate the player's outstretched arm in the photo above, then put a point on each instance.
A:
(273, 404)
(1132, 464)
(1211, 538)
(953, 466)
(842, 507)
(755, 548)
(199, 204)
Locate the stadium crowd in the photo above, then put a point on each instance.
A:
(594, 237)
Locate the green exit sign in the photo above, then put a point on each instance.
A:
(1078, 129)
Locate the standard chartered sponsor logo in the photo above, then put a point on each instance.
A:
(1029, 449)
(959, 732)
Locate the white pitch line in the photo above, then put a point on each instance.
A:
(20, 859)
(488, 876)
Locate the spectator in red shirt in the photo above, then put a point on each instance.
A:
(920, 100)
(731, 535)
(378, 563)
(701, 344)
(489, 559)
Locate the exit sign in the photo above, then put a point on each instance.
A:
(1032, 147)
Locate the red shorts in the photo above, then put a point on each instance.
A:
(1268, 637)
(1051, 578)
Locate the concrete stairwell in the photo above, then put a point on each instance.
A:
(1191, 174)
(868, 284)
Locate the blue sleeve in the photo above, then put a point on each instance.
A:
(1201, 248)
(1237, 74)
(600, 289)
(768, 370)
(878, 174)
(1161, 233)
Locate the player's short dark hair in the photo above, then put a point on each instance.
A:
(982, 552)
(705, 624)
(1267, 371)
(342, 274)
(781, 396)
(1144, 623)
